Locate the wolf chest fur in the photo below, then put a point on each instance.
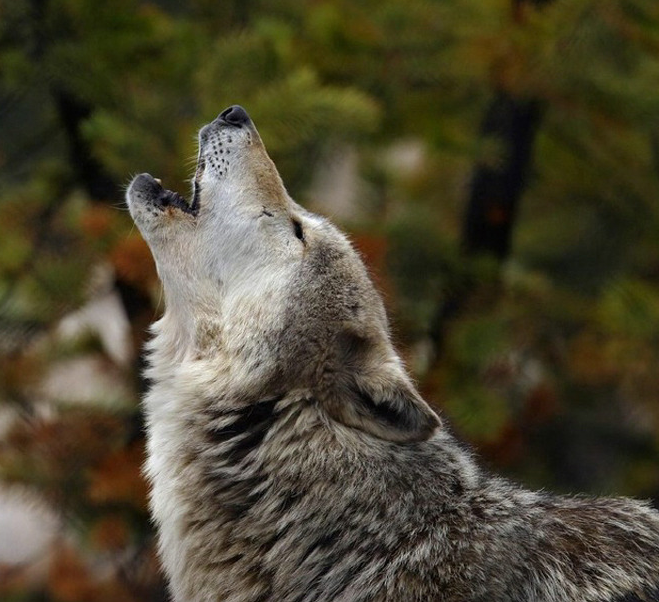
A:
(290, 456)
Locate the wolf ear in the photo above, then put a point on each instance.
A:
(379, 400)
(393, 412)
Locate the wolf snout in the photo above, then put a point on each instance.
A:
(234, 115)
(145, 185)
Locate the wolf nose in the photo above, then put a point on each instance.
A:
(235, 115)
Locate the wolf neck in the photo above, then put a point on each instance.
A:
(201, 349)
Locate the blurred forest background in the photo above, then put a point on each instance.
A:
(495, 161)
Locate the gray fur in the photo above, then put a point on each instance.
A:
(290, 456)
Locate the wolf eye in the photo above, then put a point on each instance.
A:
(297, 228)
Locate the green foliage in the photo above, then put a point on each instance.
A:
(630, 309)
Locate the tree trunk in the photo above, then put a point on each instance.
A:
(495, 192)
(496, 189)
(89, 172)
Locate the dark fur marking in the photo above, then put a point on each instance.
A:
(243, 435)
(324, 542)
(652, 596)
(288, 500)
(236, 497)
(386, 411)
(240, 509)
(249, 441)
(248, 430)
(233, 489)
(350, 575)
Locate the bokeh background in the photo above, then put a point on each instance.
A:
(495, 161)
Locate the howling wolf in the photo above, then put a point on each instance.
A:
(289, 454)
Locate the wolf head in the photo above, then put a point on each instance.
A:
(271, 292)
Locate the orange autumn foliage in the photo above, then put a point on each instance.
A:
(71, 580)
(118, 478)
(110, 532)
(133, 263)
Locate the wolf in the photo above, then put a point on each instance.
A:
(289, 454)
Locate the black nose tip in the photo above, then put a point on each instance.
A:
(235, 115)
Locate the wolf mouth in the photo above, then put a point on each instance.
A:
(162, 197)
(196, 183)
